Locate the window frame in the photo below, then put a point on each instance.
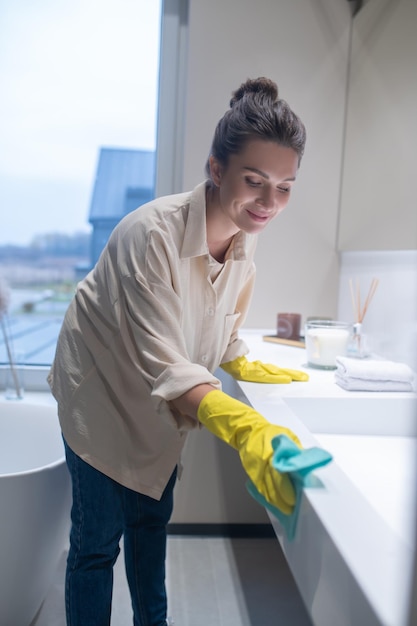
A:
(169, 133)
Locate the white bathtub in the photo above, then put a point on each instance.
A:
(34, 506)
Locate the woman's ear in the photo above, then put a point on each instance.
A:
(215, 170)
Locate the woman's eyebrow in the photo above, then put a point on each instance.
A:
(264, 175)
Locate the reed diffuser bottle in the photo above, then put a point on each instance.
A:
(359, 346)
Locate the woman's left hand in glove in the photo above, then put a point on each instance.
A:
(258, 372)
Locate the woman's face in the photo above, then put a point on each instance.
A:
(256, 184)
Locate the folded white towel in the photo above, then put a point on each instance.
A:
(373, 375)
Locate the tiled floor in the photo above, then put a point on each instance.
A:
(210, 582)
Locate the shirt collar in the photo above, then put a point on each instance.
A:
(195, 236)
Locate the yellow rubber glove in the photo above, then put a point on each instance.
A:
(257, 372)
(251, 435)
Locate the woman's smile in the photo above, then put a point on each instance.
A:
(257, 217)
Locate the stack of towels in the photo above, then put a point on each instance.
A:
(373, 375)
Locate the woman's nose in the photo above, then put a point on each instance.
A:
(266, 198)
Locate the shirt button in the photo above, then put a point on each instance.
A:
(210, 312)
(204, 358)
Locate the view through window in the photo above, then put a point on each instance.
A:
(79, 83)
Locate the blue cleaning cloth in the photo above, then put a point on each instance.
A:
(298, 463)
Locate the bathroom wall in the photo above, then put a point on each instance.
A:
(303, 46)
(306, 48)
(378, 207)
(378, 216)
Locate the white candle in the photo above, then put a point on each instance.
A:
(323, 345)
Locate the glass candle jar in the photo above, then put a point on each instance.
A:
(326, 340)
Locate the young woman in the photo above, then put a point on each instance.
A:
(149, 325)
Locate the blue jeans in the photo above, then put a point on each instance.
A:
(103, 511)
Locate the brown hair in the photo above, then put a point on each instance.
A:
(256, 112)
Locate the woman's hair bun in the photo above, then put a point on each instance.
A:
(263, 87)
(256, 112)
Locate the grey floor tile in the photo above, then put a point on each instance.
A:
(210, 582)
(232, 582)
(52, 611)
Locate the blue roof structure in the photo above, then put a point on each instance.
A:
(122, 175)
(125, 180)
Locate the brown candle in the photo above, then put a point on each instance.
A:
(288, 325)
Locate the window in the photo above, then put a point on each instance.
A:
(79, 83)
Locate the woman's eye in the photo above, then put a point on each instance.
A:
(284, 189)
(253, 183)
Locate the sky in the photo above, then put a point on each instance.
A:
(74, 76)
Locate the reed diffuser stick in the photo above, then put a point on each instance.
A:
(352, 297)
(358, 292)
(371, 294)
(359, 312)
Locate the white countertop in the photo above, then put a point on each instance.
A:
(354, 548)
(384, 470)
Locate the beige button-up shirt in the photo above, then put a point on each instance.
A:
(154, 318)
